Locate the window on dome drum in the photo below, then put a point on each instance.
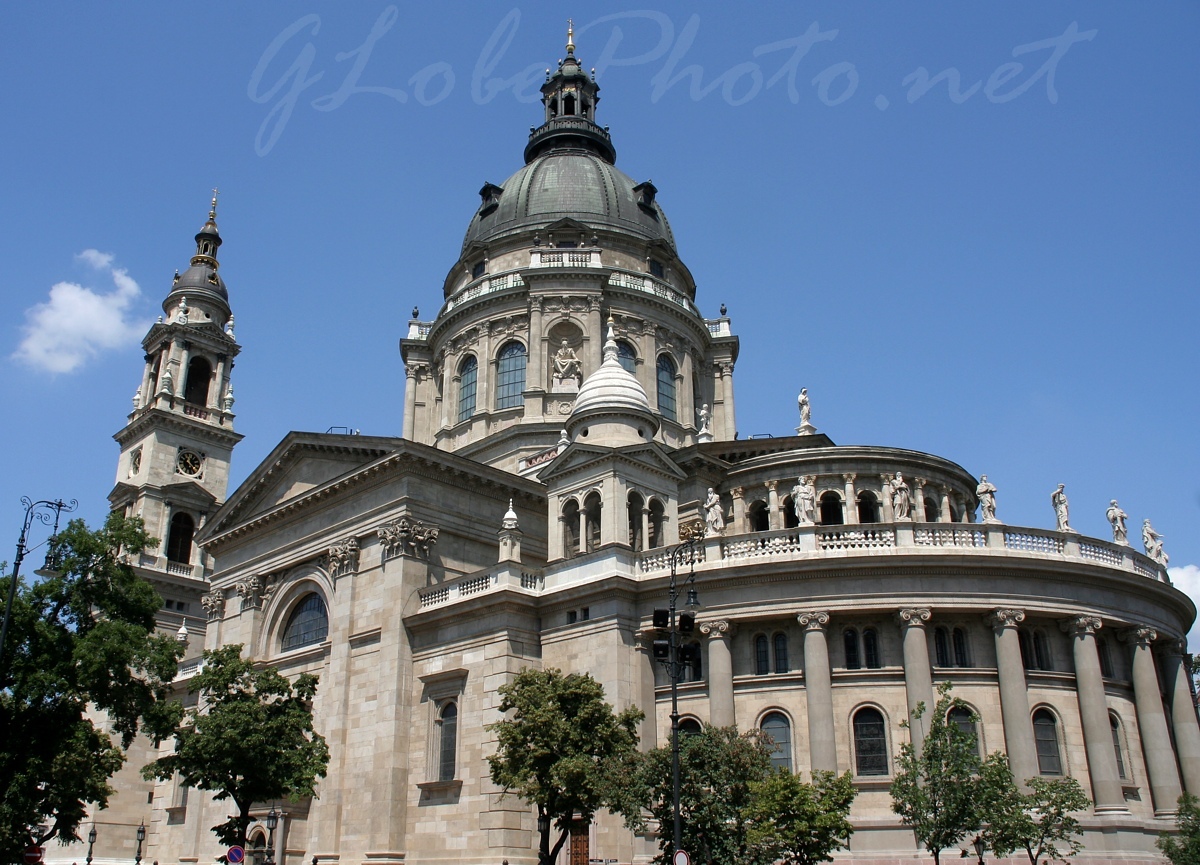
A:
(179, 538)
(870, 743)
(448, 741)
(1106, 667)
(468, 382)
(1045, 734)
(779, 643)
(1035, 650)
(959, 638)
(831, 509)
(931, 510)
(762, 655)
(510, 376)
(656, 268)
(308, 623)
(789, 513)
(868, 507)
(871, 649)
(627, 357)
(658, 518)
(570, 524)
(850, 641)
(635, 522)
(1117, 749)
(199, 374)
(950, 647)
(759, 517)
(666, 387)
(776, 726)
(961, 717)
(478, 270)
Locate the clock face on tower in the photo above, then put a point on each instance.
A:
(188, 463)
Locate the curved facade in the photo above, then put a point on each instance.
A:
(523, 521)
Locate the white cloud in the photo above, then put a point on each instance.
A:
(1187, 580)
(78, 322)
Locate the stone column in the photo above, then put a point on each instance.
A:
(539, 346)
(918, 675)
(184, 358)
(1093, 711)
(947, 514)
(819, 683)
(646, 529)
(1152, 723)
(1183, 713)
(727, 390)
(851, 499)
(720, 672)
(739, 510)
(885, 499)
(1014, 697)
(146, 387)
(410, 401)
(774, 515)
(584, 545)
(919, 500)
(216, 394)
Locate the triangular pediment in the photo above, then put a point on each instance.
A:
(579, 459)
(567, 225)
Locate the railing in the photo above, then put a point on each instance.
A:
(718, 327)
(647, 284)
(179, 569)
(855, 539)
(477, 584)
(484, 285)
(194, 411)
(564, 258)
(1033, 541)
(419, 329)
(950, 537)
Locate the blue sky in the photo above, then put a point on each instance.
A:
(997, 265)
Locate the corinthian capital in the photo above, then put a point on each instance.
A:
(1005, 618)
(813, 621)
(914, 616)
(1077, 626)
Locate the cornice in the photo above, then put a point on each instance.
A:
(157, 417)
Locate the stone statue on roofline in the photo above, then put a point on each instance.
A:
(714, 517)
(986, 492)
(1116, 519)
(1062, 509)
(806, 428)
(1153, 542)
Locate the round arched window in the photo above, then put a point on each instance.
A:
(308, 623)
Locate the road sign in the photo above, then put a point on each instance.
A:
(681, 857)
(33, 854)
(234, 855)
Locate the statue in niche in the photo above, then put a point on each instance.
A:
(705, 417)
(1153, 542)
(714, 517)
(804, 500)
(1116, 519)
(986, 491)
(901, 498)
(567, 367)
(1062, 509)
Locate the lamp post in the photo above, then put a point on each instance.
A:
(674, 656)
(979, 845)
(141, 836)
(39, 511)
(91, 843)
(543, 826)
(272, 822)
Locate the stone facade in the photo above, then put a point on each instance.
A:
(526, 519)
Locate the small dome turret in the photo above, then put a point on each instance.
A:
(612, 402)
(201, 282)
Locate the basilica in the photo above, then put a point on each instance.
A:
(569, 423)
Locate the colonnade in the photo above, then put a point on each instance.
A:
(1169, 770)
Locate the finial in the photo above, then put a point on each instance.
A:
(610, 341)
(212, 213)
(570, 37)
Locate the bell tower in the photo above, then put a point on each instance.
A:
(177, 442)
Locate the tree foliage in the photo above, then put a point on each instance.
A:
(251, 738)
(1036, 822)
(1184, 847)
(562, 748)
(939, 792)
(80, 639)
(798, 823)
(717, 770)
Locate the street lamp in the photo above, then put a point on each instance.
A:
(674, 656)
(141, 836)
(39, 511)
(91, 843)
(979, 845)
(272, 822)
(543, 826)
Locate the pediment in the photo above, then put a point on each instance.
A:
(567, 224)
(578, 459)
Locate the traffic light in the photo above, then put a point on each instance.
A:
(687, 622)
(689, 653)
(662, 619)
(661, 649)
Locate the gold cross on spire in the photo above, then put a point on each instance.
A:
(570, 35)
(212, 213)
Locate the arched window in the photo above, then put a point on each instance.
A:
(1106, 666)
(627, 357)
(931, 509)
(762, 656)
(781, 652)
(448, 744)
(468, 382)
(759, 516)
(868, 507)
(510, 376)
(1117, 749)
(257, 852)
(308, 624)
(962, 717)
(941, 647)
(636, 505)
(850, 641)
(871, 649)
(690, 727)
(570, 526)
(568, 105)
(777, 727)
(1041, 650)
(790, 520)
(1045, 735)
(870, 743)
(959, 638)
(658, 518)
(831, 509)
(199, 374)
(179, 538)
(666, 387)
(592, 505)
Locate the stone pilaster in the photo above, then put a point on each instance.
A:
(918, 675)
(720, 672)
(1152, 723)
(1014, 696)
(851, 498)
(819, 682)
(1183, 713)
(1093, 711)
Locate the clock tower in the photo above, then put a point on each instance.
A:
(177, 443)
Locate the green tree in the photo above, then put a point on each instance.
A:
(717, 769)
(798, 823)
(1037, 821)
(80, 639)
(939, 792)
(1184, 848)
(561, 749)
(250, 739)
